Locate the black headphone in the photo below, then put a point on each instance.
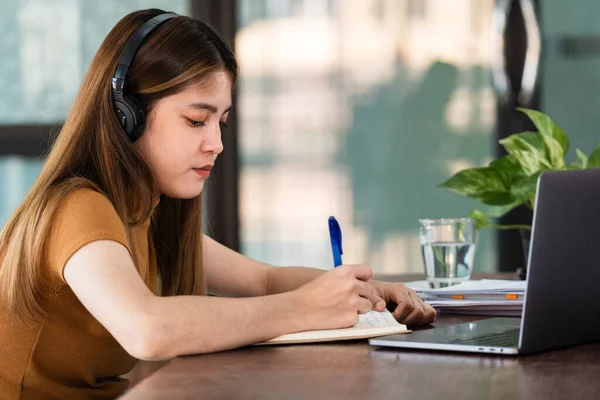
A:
(129, 110)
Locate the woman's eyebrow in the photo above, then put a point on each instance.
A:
(206, 106)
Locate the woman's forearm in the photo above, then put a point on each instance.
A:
(286, 279)
(180, 325)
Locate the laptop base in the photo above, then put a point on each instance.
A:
(493, 335)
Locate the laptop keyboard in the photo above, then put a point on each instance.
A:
(508, 338)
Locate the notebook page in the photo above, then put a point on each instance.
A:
(375, 319)
(371, 324)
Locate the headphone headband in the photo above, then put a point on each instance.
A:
(128, 110)
(132, 46)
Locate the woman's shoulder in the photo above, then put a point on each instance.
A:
(87, 198)
(87, 202)
(87, 209)
(84, 215)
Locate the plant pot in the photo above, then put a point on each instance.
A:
(525, 241)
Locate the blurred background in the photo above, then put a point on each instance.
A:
(355, 108)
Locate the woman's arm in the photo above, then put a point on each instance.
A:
(235, 275)
(103, 277)
(286, 279)
(232, 274)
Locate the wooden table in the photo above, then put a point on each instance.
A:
(355, 370)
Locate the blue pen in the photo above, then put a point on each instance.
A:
(335, 234)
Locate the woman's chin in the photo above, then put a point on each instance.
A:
(188, 192)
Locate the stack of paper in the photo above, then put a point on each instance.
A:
(482, 297)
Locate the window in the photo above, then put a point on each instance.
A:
(46, 47)
(359, 114)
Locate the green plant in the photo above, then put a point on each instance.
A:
(511, 180)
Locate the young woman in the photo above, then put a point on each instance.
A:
(104, 262)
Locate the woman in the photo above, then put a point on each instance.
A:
(104, 262)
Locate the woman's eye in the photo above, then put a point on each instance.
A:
(196, 123)
(223, 125)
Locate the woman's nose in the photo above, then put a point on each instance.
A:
(213, 143)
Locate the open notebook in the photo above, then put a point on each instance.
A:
(371, 324)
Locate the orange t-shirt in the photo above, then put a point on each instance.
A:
(70, 355)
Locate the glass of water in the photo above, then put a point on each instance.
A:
(448, 249)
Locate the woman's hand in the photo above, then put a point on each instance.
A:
(334, 299)
(404, 303)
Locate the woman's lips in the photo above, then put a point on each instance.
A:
(204, 171)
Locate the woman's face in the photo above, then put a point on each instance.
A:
(182, 137)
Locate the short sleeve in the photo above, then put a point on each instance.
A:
(84, 216)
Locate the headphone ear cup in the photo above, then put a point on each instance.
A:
(131, 116)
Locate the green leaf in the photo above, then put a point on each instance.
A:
(555, 153)
(481, 220)
(483, 184)
(524, 190)
(582, 158)
(535, 139)
(496, 199)
(499, 211)
(531, 158)
(508, 168)
(555, 141)
(594, 158)
(547, 127)
(474, 182)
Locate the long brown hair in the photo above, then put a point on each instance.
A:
(92, 151)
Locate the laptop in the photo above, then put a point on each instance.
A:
(562, 300)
